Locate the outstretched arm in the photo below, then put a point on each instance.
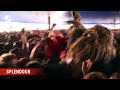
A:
(51, 33)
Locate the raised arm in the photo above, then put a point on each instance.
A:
(24, 41)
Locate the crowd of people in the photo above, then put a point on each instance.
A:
(76, 53)
(64, 54)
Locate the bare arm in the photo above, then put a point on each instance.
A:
(34, 51)
(24, 39)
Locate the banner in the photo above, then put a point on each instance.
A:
(20, 71)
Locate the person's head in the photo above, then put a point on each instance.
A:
(117, 42)
(17, 52)
(3, 65)
(22, 62)
(94, 44)
(7, 47)
(64, 33)
(1, 48)
(17, 44)
(115, 76)
(23, 30)
(95, 75)
(14, 51)
(33, 64)
(9, 59)
(74, 33)
(76, 15)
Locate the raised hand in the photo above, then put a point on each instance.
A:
(86, 65)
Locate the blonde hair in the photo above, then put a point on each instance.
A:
(94, 44)
(7, 57)
(74, 33)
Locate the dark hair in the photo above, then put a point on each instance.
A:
(33, 64)
(7, 47)
(115, 76)
(17, 44)
(22, 62)
(3, 65)
(14, 51)
(117, 43)
(95, 75)
(118, 38)
(23, 30)
(74, 33)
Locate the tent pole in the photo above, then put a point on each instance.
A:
(49, 20)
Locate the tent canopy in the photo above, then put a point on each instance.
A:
(58, 16)
(39, 19)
